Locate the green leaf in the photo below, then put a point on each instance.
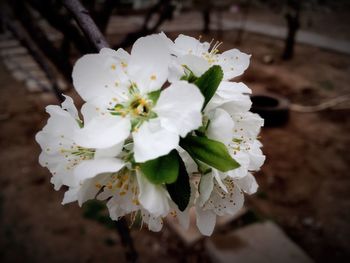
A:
(202, 167)
(154, 96)
(210, 152)
(180, 190)
(164, 169)
(209, 82)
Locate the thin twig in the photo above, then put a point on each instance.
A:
(330, 104)
(86, 24)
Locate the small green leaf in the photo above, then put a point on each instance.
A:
(202, 167)
(154, 96)
(210, 152)
(209, 82)
(164, 169)
(180, 190)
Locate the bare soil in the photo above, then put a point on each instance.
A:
(304, 184)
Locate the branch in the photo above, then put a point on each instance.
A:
(86, 24)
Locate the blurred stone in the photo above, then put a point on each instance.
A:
(33, 86)
(308, 221)
(256, 243)
(13, 51)
(268, 59)
(9, 43)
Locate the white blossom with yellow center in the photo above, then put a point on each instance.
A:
(126, 92)
(66, 160)
(190, 53)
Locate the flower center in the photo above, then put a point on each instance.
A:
(211, 56)
(138, 107)
(76, 154)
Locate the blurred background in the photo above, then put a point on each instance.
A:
(299, 74)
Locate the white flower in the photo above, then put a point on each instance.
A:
(231, 123)
(128, 192)
(239, 133)
(69, 162)
(124, 90)
(198, 57)
(220, 196)
(132, 114)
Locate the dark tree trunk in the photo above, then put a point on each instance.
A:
(164, 9)
(206, 20)
(102, 17)
(292, 16)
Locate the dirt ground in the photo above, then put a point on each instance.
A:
(304, 184)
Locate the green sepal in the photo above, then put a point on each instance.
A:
(210, 152)
(180, 190)
(154, 96)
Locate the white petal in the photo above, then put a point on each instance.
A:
(221, 126)
(69, 106)
(56, 181)
(89, 112)
(197, 65)
(191, 166)
(148, 65)
(152, 141)
(70, 196)
(88, 189)
(238, 200)
(92, 73)
(248, 125)
(60, 122)
(206, 220)
(109, 152)
(176, 71)
(243, 159)
(90, 168)
(189, 45)
(233, 63)
(184, 218)
(155, 224)
(179, 108)
(230, 96)
(115, 209)
(120, 53)
(154, 198)
(257, 158)
(206, 186)
(103, 132)
(226, 88)
(248, 184)
(218, 177)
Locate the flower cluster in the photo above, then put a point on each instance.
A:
(162, 130)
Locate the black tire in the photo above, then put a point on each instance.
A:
(272, 108)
